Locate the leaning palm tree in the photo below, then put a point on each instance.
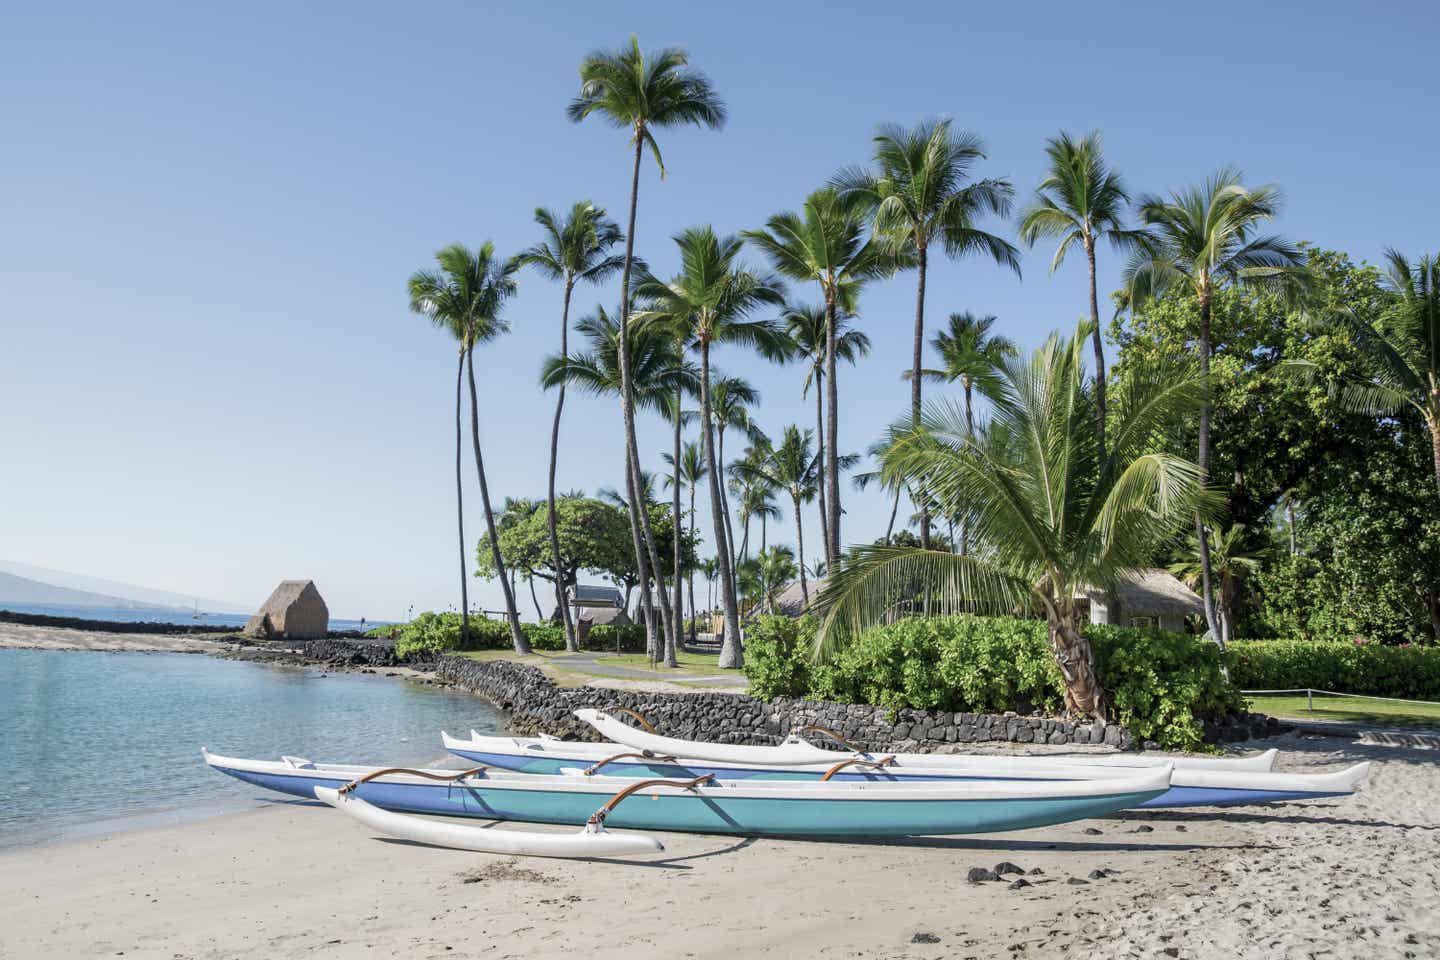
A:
(920, 192)
(827, 243)
(576, 249)
(1202, 238)
(655, 368)
(689, 473)
(707, 303)
(465, 296)
(793, 467)
(642, 93)
(1054, 514)
(1236, 554)
(806, 326)
(1079, 200)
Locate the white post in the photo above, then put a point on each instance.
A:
(1309, 700)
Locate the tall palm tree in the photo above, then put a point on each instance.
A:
(794, 467)
(828, 243)
(1235, 555)
(656, 369)
(642, 93)
(705, 304)
(1203, 238)
(920, 193)
(731, 399)
(575, 249)
(756, 499)
(674, 411)
(971, 355)
(465, 296)
(1055, 516)
(689, 472)
(1079, 200)
(806, 326)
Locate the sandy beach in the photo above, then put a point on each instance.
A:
(1341, 878)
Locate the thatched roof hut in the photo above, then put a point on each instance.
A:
(295, 611)
(791, 601)
(1148, 598)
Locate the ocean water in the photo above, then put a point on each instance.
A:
(184, 618)
(91, 742)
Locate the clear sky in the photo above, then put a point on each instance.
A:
(209, 379)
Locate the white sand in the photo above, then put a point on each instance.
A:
(1351, 877)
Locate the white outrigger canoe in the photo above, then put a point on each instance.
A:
(704, 804)
(1196, 781)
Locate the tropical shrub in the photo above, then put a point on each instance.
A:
(629, 637)
(1408, 672)
(1163, 685)
(438, 632)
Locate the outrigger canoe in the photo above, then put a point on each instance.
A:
(1199, 782)
(704, 804)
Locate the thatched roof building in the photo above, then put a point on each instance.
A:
(791, 602)
(295, 611)
(1148, 598)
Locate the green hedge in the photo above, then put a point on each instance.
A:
(1411, 673)
(1163, 685)
(436, 632)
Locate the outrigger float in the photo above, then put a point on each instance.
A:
(632, 752)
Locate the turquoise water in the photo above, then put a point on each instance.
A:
(93, 741)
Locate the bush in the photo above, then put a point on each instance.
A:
(440, 632)
(1411, 673)
(605, 636)
(1163, 686)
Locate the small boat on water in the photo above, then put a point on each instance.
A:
(704, 804)
(1195, 781)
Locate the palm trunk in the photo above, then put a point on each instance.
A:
(1099, 350)
(832, 440)
(691, 578)
(539, 616)
(894, 509)
(677, 617)
(918, 349)
(964, 545)
(820, 462)
(732, 655)
(1433, 422)
(1290, 524)
(516, 636)
(460, 506)
(729, 526)
(572, 642)
(1203, 460)
(1083, 693)
(646, 611)
(800, 550)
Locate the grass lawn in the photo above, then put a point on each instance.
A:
(694, 664)
(570, 674)
(1349, 709)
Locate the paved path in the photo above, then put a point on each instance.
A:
(590, 663)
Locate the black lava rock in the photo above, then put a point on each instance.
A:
(1005, 866)
(980, 875)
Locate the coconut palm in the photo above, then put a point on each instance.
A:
(575, 249)
(919, 192)
(1079, 200)
(1235, 555)
(656, 370)
(827, 243)
(707, 303)
(755, 498)
(806, 326)
(642, 93)
(731, 398)
(1203, 238)
(465, 297)
(793, 467)
(689, 473)
(1055, 516)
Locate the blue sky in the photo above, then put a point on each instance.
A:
(208, 376)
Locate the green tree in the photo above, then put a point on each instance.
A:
(465, 297)
(793, 467)
(731, 399)
(1236, 554)
(1205, 238)
(1079, 200)
(920, 192)
(1053, 514)
(642, 93)
(827, 243)
(708, 303)
(575, 249)
(806, 325)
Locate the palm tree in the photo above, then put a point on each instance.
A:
(1055, 516)
(674, 411)
(1079, 200)
(756, 500)
(690, 473)
(918, 194)
(575, 250)
(731, 398)
(806, 326)
(641, 94)
(710, 570)
(706, 304)
(1234, 555)
(465, 296)
(513, 511)
(827, 243)
(656, 369)
(794, 467)
(1202, 238)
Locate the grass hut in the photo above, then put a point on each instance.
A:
(295, 611)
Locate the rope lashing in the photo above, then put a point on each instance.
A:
(376, 774)
(815, 728)
(855, 762)
(598, 817)
(638, 716)
(594, 768)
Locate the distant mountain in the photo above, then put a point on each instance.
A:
(27, 592)
(115, 592)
